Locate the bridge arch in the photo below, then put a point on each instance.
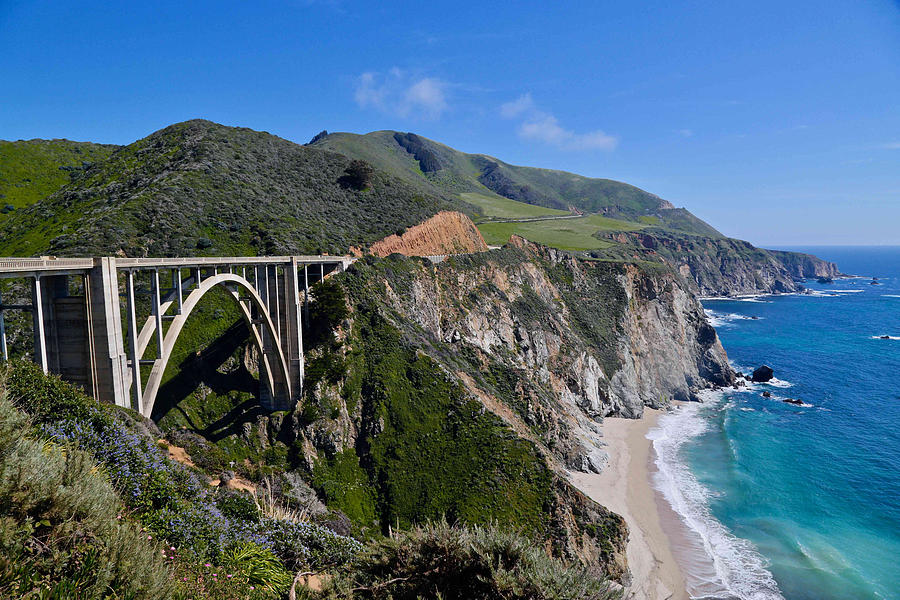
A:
(274, 367)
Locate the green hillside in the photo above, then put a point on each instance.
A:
(576, 234)
(32, 170)
(202, 188)
(435, 167)
(489, 206)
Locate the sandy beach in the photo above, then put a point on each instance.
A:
(624, 487)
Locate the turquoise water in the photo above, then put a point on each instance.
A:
(800, 502)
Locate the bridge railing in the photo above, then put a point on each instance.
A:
(12, 267)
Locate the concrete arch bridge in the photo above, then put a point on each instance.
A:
(79, 331)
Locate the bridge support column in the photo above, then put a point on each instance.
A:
(137, 389)
(292, 329)
(109, 365)
(37, 316)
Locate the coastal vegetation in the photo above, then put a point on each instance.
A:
(202, 188)
(439, 560)
(92, 507)
(490, 206)
(577, 233)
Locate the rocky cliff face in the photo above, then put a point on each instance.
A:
(448, 232)
(577, 340)
(725, 266)
(543, 344)
(802, 265)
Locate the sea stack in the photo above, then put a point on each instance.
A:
(762, 374)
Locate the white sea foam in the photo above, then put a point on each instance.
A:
(740, 568)
(720, 319)
(741, 298)
(780, 383)
(890, 295)
(822, 294)
(847, 291)
(881, 337)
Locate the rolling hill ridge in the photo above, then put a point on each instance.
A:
(202, 188)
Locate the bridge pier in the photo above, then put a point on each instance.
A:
(292, 329)
(108, 363)
(4, 351)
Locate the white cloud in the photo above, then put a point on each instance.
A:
(686, 133)
(517, 107)
(399, 93)
(428, 96)
(543, 127)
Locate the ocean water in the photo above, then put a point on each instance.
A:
(798, 502)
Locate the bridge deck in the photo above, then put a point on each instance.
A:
(29, 267)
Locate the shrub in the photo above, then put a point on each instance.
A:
(309, 545)
(237, 505)
(259, 566)
(358, 175)
(327, 309)
(46, 398)
(165, 496)
(456, 562)
(61, 530)
(197, 580)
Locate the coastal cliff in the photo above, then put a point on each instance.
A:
(725, 266)
(525, 340)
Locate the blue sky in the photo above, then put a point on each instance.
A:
(777, 122)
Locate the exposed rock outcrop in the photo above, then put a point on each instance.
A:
(541, 343)
(447, 232)
(725, 266)
(601, 338)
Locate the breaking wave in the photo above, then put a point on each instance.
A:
(741, 570)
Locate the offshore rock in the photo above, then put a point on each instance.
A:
(762, 374)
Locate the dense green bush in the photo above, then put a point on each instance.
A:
(48, 399)
(238, 505)
(237, 579)
(307, 545)
(327, 309)
(358, 175)
(451, 562)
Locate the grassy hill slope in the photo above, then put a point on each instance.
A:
(31, 170)
(430, 165)
(202, 188)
